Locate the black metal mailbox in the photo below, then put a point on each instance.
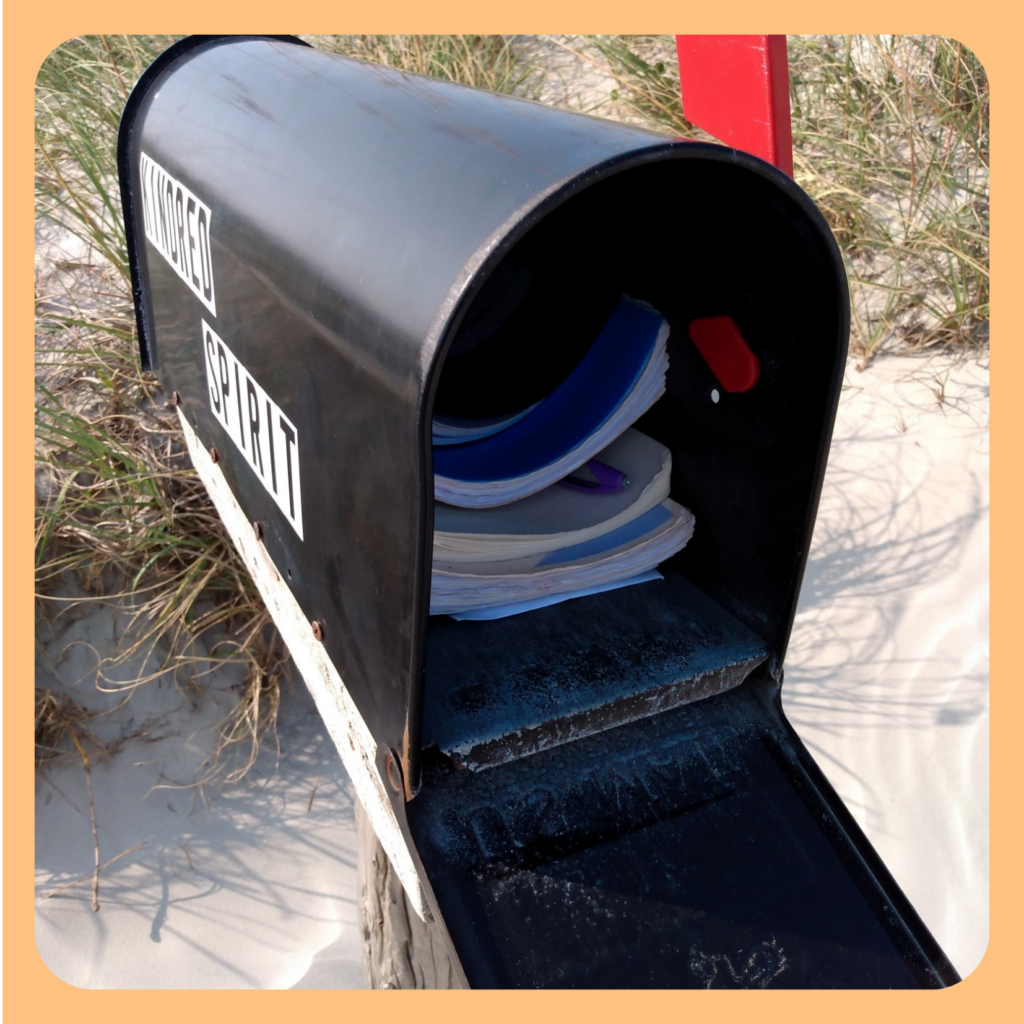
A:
(306, 235)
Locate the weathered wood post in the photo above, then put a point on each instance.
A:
(400, 950)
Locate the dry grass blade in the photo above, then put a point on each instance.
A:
(56, 719)
(92, 817)
(243, 732)
(95, 874)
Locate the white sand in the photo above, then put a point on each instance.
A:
(887, 671)
(253, 890)
(886, 680)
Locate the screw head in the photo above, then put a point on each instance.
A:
(394, 773)
(257, 529)
(175, 398)
(213, 455)
(318, 631)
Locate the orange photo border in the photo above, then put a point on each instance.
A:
(30, 33)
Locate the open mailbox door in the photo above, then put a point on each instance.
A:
(602, 792)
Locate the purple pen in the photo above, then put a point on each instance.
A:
(609, 479)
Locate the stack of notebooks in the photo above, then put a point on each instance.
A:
(560, 497)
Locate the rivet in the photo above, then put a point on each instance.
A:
(394, 773)
(213, 455)
(257, 529)
(318, 631)
(715, 396)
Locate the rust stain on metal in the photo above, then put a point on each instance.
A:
(318, 630)
(213, 455)
(394, 773)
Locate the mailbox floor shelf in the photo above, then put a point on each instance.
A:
(506, 688)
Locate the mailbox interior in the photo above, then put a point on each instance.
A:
(694, 238)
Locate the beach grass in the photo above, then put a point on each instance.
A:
(487, 62)
(891, 140)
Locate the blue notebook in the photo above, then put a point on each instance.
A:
(620, 377)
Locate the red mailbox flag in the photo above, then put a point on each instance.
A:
(737, 89)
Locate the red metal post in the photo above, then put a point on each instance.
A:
(737, 89)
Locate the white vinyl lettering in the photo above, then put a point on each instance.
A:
(262, 433)
(178, 224)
